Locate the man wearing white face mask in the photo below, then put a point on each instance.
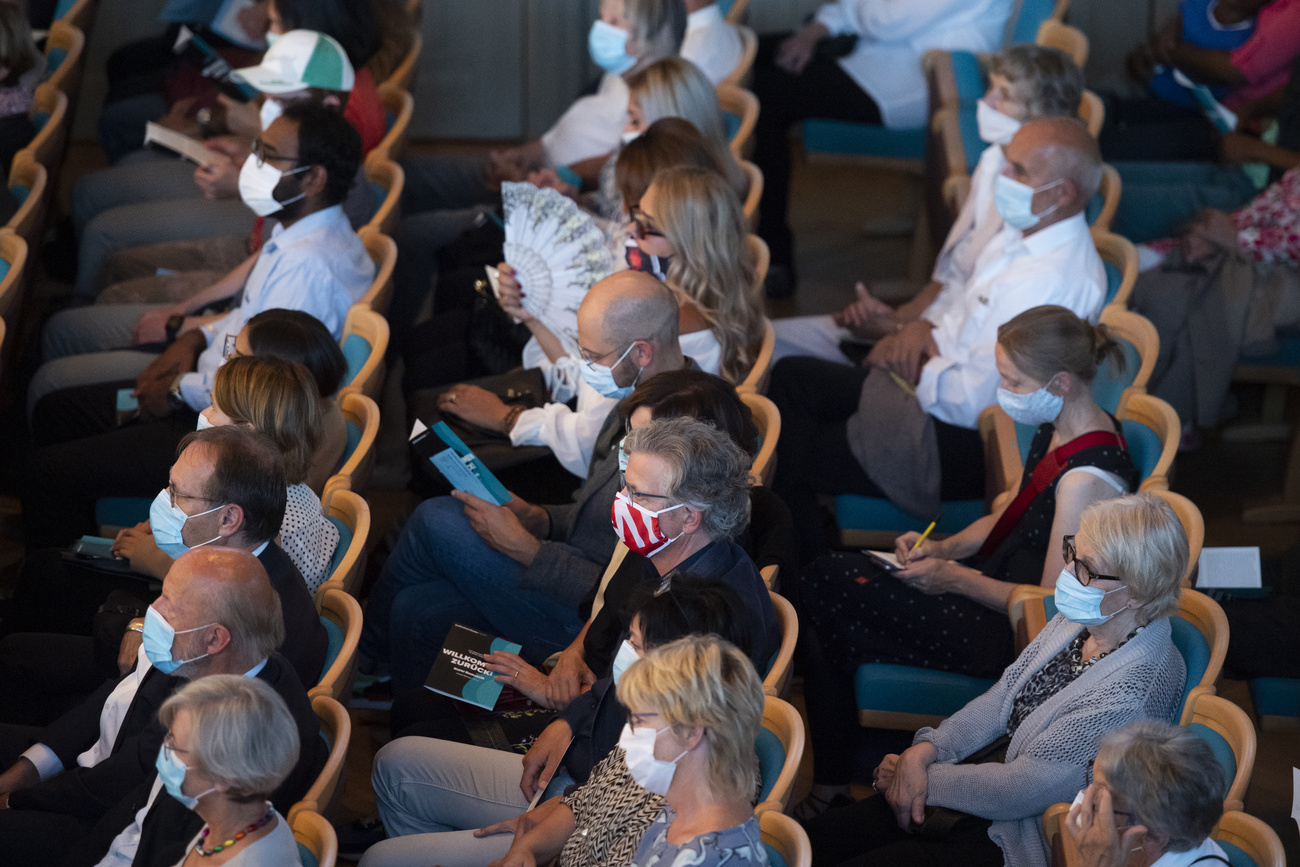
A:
(905, 426)
(217, 615)
(1026, 83)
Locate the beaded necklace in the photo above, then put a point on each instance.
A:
(1077, 665)
(203, 835)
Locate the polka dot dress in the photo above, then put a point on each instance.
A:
(307, 536)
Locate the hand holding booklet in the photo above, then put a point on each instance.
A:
(459, 671)
(460, 466)
(190, 148)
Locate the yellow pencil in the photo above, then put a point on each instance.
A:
(918, 542)
(902, 383)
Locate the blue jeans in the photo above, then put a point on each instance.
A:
(441, 573)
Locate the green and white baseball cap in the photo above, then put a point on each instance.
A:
(298, 60)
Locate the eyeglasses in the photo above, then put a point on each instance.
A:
(634, 493)
(263, 156)
(638, 719)
(174, 496)
(169, 744)
(589, 358)
(642, 222)
(1081, 571)
(1128, 817)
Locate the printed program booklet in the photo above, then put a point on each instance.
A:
(461, 467)
(459, 670)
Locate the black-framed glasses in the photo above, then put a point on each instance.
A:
(1070, 556)
(1128, 817)
(635, 720)
(644, 227)
(264, 156)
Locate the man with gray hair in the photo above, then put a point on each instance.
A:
(1156, 789)
(903, 426)
(217, 614)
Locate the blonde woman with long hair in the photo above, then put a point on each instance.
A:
(693, 218)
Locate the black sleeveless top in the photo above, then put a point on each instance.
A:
(1019, 558)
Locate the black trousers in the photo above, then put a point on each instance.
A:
(44, 675)
(1150, 128)
(83, 455)
(865, 834)
(816, 399)
(822, 90)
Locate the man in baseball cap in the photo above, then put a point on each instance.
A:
(301, 59)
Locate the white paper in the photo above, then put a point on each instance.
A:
(890, 558)
(1236, 568)
(190, 148)
(418, 428)
(1295, 795)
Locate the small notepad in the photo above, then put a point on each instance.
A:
(1229, 568)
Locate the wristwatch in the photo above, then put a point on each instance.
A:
(173, 326)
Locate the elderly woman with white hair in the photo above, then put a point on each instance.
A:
(974, 789)
(230, 742)
(1157, 790)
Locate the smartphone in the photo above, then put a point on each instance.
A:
(128, 407)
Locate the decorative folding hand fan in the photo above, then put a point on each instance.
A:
(557, 252)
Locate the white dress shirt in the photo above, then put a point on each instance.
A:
(1055, 265)
(318, 265)
(1183, 859)
(712, 43)
(975, 225)
(591, 127)
(892, 36)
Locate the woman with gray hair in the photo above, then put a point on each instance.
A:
(1155, 789)
(973, 789)
(230, 742)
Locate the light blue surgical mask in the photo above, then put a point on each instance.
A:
(1080, 604)
(271, 38)
(203, 424)
(608, 47)
(167, 521)
(626, 656)
(601, 378)
(171, 770)
(1015, 202)
(158, 636)
(1037, 407)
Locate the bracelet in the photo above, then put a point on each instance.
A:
(135, 627)
(508, 423)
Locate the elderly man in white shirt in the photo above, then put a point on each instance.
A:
(904, 427)
(878, 81)
(1026, 82)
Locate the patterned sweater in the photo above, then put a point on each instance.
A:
(1048, 756)
(611, 813)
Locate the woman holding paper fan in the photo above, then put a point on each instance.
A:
(945, 608)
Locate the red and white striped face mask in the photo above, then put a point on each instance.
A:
(638, 527)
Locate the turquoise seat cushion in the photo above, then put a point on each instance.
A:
(724, 6)
(1276, 696)
(1114, 277)
(389, 120)
(39, 119)
(1222, 750)
(853, 512)
(771, 758)
(122, 511)
(862, 139)
(773, 857)
(1236, 857)
(54, 58)
(1143, 446)
(1192, 645)
(1111, 381)
(356, 349)
(906, 689)
(20, 192)
(305, 856)
(1093, 210)
(971, 142)
(4, 269)
(1030, 17)
(354, 440)
(345, 541)
(730, 124)
(1287, 353)
(334, 636)
(379, 193)
(968, 77)
(63, 8)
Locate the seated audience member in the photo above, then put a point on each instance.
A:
(226, 488)
(279, 398)
(989, 771)
(860, 61)
(1157, 790)
(949, 612)
(418, 781)
(1026, 83)
(521, 570)
(230, 743)
(446, 195)
(1243, 74)
(23, 67)
(151, 201)
(66, 479)
(1224, 288)
(703, 699)
(711, 42)
(217, 615)
(904, 425)
(1198, 24)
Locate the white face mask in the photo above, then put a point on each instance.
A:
(626, 656)
(630, 135)
(204, 424)
(1015, 202)
(270, 109)
(1037, 407)
(651, 774)
(994, 126)
(257, 187)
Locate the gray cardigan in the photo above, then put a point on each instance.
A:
(1048, 757)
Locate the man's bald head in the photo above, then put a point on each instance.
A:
(229, 586)
(628, 306)
(1057, 149)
